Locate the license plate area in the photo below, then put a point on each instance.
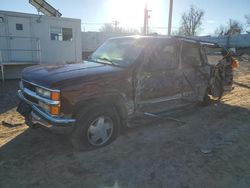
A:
(24, 109)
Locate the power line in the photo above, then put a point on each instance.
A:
(93, 23)
(115, 23)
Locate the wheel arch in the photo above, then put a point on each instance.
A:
(115, 100)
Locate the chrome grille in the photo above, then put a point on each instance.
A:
(29, 86)
(29, 91)
(30, 98)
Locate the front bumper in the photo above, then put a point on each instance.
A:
(43, 118)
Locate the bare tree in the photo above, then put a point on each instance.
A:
(220, 30)
(248, 18)
(247, 23)
(233, 27)
(110, 28)
(107, 28)
(191, 21)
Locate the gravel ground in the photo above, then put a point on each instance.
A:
(210, 150)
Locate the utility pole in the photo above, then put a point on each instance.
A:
(116, 24)
(146, 17)
(145, 20)
(170, 17)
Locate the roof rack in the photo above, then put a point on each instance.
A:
(195, 40)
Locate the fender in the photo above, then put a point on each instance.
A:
(123, 105)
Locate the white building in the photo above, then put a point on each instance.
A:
(27, 39)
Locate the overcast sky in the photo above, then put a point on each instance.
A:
(129, 13)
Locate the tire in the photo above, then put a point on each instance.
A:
(95, 127)
(216, 89)
(206, 100)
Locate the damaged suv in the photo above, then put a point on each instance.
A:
(124, 78)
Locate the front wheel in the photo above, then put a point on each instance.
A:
(95, 128)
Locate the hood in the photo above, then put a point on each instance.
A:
(54, 76)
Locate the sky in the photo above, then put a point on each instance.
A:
(129, 13)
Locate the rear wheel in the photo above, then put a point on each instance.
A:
(95, 128)
(216, 88)
(206, 100)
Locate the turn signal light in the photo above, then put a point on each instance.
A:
(55, 110)
(55, 96)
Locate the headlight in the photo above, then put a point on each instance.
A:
(52, 95)
(43, 92)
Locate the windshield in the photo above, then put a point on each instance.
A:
(121, 52)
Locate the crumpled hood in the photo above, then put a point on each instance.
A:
(54, 76)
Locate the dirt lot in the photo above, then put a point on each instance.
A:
(212, 149)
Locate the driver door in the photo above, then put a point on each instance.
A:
(158, 85)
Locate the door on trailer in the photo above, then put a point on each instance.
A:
(20, 42)
(158, 79)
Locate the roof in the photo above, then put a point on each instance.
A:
(28, 15)
(181, 38)
(196, 40)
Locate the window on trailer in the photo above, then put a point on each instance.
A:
(61, 34)
(67, 34)
(19, 27)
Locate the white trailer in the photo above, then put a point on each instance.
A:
(28, 39)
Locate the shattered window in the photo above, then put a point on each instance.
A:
(213, 55)
(191, 55)
(163, 55)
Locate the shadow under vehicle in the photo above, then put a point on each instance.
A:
(124, 78)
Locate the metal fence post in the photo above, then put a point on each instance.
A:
(1, 66)
(39, 50)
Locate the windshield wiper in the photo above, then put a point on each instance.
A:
(108, 61)
(104, 60)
